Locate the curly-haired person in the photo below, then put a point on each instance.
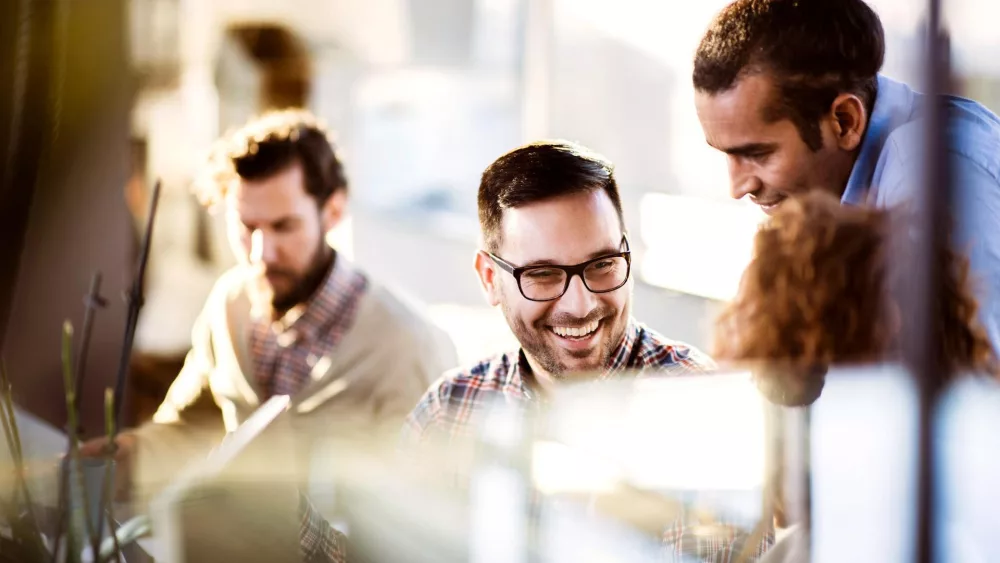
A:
(824, 287)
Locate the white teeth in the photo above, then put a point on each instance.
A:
(576, 331)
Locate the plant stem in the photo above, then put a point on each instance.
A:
(72, 427)
(107, 483)
(10, 426)
(16, 444)
(13, 436)
(9, 436)
(109, 426)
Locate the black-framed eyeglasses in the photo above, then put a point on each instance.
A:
(549, 282)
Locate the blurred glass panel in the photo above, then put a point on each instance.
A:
(601, 471)
(698, 444)
(864, 466)
(968, 495)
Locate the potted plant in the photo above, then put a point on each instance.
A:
(85, 528)
(79, 529)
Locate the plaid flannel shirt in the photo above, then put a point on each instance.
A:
(319, 542)
(285, 350)
(449, 407)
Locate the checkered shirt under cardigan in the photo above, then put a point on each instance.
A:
(286, 350)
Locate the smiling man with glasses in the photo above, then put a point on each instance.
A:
(556, 260)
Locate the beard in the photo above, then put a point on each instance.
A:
(536, 341)
(300, 286)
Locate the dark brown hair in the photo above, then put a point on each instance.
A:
(536, 172)
(267, 145)
(814, 50)
(822, 289)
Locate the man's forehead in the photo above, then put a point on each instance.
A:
(564, 230)
(736, 114)
(265, 200)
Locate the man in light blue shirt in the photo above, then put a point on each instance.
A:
(790, 90)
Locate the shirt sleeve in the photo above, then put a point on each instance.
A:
(977, 206)
(684, 540)
(420, 423)
(192, 380)
(319, 542)
(976, 215)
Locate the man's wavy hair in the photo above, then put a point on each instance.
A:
(266, 145)
(824, 287)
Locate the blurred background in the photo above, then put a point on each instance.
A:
(422, 96)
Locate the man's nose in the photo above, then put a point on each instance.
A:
(262, 247)
(578, 300)
(741, 181)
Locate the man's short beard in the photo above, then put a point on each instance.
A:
(533, 343)
(307, 284)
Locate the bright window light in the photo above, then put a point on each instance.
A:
(708, 423)
(558, 468)
(696, 245)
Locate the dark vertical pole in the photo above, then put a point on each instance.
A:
(933, 208)
(135, 300)
(25, 51)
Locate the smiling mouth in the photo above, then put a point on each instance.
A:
(768, 204)
(576, 333)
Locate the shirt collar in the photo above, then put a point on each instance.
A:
(520, 377)
(335, 295)
(895, 104)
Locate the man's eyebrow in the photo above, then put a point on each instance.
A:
(747, 149)
(591, 256)
(605, 252)
(287, 219)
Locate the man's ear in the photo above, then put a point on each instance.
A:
(487, 272)
(849, 121)
(333, 210)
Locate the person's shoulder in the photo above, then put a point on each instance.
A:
(972, 134)
(232, 280)
(457, 390)
(463, 382)
(399, 309)
(404, 319)
(658, 351)
(229, 287)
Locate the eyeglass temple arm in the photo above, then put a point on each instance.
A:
(501, 262)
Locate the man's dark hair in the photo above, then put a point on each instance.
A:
(814, 49)
(536, 172)
(269, 144)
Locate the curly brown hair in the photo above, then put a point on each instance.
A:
(822, 289)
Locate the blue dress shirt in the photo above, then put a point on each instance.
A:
(890, 167)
